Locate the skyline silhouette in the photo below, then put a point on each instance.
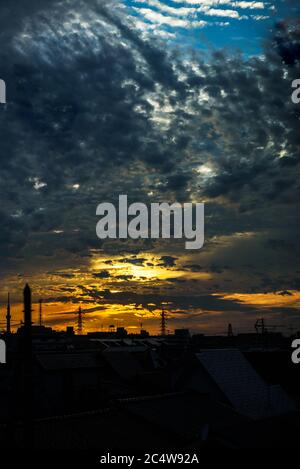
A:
(78, 317)
(126, 342)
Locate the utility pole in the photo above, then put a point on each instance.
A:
(79, 323)
(40, 313)
(163, 323)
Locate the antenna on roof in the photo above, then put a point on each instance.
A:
(163, 323)
(79, 322)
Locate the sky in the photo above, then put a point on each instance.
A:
(210, 23)
(163, 101)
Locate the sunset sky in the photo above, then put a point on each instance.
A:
(165, 101)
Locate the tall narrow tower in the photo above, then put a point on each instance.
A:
(8, 315)
(79, 323)
(27, 307)
(230, 331)
(40, 313)
(163, 323)
(27, 372)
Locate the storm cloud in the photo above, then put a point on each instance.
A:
(95, 109)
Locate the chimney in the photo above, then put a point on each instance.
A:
(27, 307)
(27, 371)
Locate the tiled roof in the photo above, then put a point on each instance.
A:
(124, 363)
(62, 361)
(241, 384)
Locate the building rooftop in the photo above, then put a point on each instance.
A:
(248, 393)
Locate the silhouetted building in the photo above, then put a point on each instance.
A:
(171, 389)
(70, 330)
(121, 332)
(182, 333)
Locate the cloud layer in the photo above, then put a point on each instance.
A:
(96, 109)
(166, 16)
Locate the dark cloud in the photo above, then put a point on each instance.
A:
(279, 244)
(193, 267)
(132, 260)
(182, 302)
(167, 261)
(62, 274)
(285, 293)
(96, 109)
(124, 277)
(102, 274)
(287, 38)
